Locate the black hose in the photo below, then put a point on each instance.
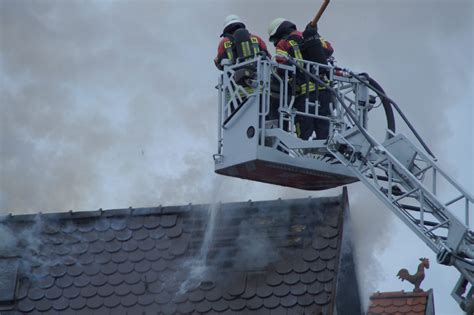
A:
(381, 93)
(387, 106)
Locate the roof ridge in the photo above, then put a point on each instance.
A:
(143, 210)
(399, 294)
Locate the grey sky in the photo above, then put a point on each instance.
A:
(110, 104)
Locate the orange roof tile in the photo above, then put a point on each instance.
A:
(399, 303)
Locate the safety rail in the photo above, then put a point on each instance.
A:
(274, 85)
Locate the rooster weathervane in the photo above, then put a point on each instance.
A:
(418, 277)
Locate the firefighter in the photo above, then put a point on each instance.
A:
(291, 42)
(237, 43)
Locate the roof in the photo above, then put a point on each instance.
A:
(413, 303)
(268, 257)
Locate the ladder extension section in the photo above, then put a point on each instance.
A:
(395, 171)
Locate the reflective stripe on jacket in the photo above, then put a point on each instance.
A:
(225, 48)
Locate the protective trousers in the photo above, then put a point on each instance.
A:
(306, 125)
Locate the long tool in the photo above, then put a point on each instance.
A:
(323, 7)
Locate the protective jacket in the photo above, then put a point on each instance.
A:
(293, 45)
(239, 46)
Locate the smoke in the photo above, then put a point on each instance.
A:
(109, 104)
(371, 234)
(8, 241)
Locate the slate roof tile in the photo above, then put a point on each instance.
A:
(95, 302)
(96, 280)
(155, 287)
(168, 309)
(135, 222)
(152, 222)
(168, 221)
(137, 260)
(105, 290)
(318, 266)
(322, 298)
(88, 291)
(174, 231)
(45, 282)
(113, 279)
(220, 305)
(26, 305)
(146, 299)
(196, 296)
(289, 301)
(57, 271)
(306, 299)
(129, 300)
(213, 294)
(164, 297)
(23, 288)
(112, 301)
(283, 267)
(91, 269)
(138, 288)
(61, 303)
(71, 292)
(250, 287)
(279, 311)
(43, 305)
(123, 235)
(203, 306)
(108, 268)
(281, 290)
(255, 303)
(328, 254)
(118, 224)
(122, 289)
(113, 246)
(309, 277)
(291, 278)
(53, 293)
(102, 225)
(152, 255)
(274, 279)
(107, 235)
(77, 303)
(73, 271)
(36, 294)
(298, 289)
(325, 276)
(141, 234)
(62, 250)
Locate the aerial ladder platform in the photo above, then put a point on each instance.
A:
(257, 140)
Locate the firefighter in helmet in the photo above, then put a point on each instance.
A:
(237, 43)
(308, 45)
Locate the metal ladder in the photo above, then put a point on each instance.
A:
(401, 174)
(395, 171)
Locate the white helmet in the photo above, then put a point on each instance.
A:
(232, 19)
(274, 25)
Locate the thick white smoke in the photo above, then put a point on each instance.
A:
(111, 104)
